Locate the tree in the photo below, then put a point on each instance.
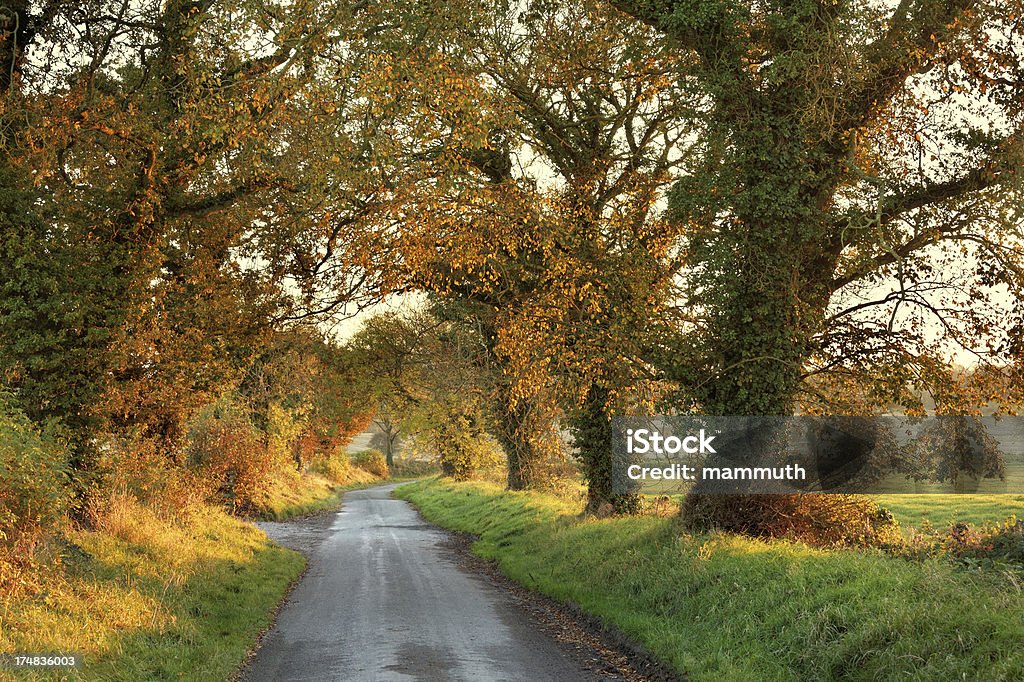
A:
(846, 200)
(156, 151)
(418, 373)
(386, 352)
(305, 396)
(536, 211)
(840, 159)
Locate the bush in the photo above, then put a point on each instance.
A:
(337, 469)
(994, 543)
(140, 468)
(227, 448)
(1004, 541)
(371, 461)
(34, 490)
(817, 519)
(457, 439)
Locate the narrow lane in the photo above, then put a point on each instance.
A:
(384, 600)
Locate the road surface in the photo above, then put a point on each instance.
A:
(383, 599)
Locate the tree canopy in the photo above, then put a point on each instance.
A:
(736, 208)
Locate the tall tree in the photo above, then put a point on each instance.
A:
(539, 209)
(854, 206)
(157, 145)
(858, 181)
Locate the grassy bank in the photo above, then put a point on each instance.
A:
(151, 596)
(726, 608)
(312, 494)
(309, 494)
(148, 598)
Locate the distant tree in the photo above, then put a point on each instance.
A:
(303, 392)
(424, 384)
(385, 353)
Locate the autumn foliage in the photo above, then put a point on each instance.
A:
(610, 208)
(821, 520)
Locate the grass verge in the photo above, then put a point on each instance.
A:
(150, 596)
(147, 598)
(310, 494)
(719, 607)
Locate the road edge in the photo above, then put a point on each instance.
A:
(599, 647)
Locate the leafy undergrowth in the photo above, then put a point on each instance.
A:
(147, 598)
(722, 607)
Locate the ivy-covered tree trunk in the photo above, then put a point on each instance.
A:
(770, 263)
(770, 270)
(591, 428)
(525, 431)
(459, 439)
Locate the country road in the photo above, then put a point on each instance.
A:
(384, 599)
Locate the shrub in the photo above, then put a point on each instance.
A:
(999, 543)
(817, 519)
(1006, 541)
(34, 490)
(456, 437)
(371, 461)
(337, 469)
(227, 448)
(140, 468)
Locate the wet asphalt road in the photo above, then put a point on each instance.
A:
(383, 599)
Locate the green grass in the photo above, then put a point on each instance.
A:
(146, 598)
(941, 510)
(719, 607)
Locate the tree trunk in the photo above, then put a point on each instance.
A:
(389, 447)
(526, 433)
(591, 427)
(769, 273)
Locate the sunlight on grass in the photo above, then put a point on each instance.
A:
(941, 510)
(722, 607)
(142, 597)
